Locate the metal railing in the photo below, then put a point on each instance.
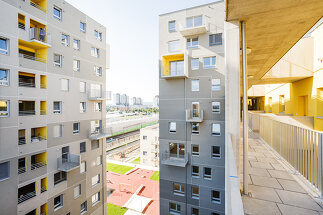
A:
(68, 162)
(43, 112)
(37, 6)
(21, 170)
(96, 94)
(300, 147)
(38, 165)
(37, 139)
(26, 84)
(26, 112)
(190, 117)
(43, 189)
(43, 86)
(174, 159)
(27, 196)
(21, 26)
(32, 58)
(21, 141)
(38, 34)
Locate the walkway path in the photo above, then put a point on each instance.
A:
(273, 188)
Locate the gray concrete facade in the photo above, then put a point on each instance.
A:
(44, 92)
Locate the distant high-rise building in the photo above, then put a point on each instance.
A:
(156, 101)
(116, 99)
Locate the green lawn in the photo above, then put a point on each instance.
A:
(118, 168)
(115, 210)
(136, 161)
(134, 128)
(155, 176)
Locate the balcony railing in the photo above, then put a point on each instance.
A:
(27, 196)
(26, 84)
(174, 159)
(37, 139)
(96, 95)
(26, 112)
(43, 112)
(21, 170)
(43, 189)
(39, 35)
(99, 133)
(37, 6)
(194, 117)
(196, 29)
(38, 165)
(21, 141)
(68, 162)
(32, 58)
(21, 26)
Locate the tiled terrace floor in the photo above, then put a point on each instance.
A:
(272, 187)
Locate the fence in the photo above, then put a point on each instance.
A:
(300, 147)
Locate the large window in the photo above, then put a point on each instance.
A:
(215, 196)
(4, 108)
(59, 177)
(98, 70)
(77, 191)
(172, 127)
(174, 209)
(64, 84)
(195, 171)
(216, 129)
(82, 87)
(84, 207)
(96, 180)
(76, 128)
(76, 65)
(95, 52)
(57, 13)
(209, 62)
(177, 150)
(4, 77)
(179, 189)
(215, 39)
(195, 21)
(82, 107)
(195, 85)
(65, 39)
(172, 26)
(174, 45)
(216, 107)
(95, 198)
(192, 42)
(207, 173)
(57, 131)
(76, 44)
(98, 35)
(216, 152)
(58, 202)
(4, 46)
(216, 84)
(4, 170)
(82, 26)
(195, 63)
(176, 68)
(195, 192)
(57, 107)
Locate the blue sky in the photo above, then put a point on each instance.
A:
(132, 32)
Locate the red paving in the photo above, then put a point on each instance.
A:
(134, 180)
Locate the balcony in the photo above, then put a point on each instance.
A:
(179, 160)
(26, 192)
(99, 133)
(40, 37)
(38, 161)
(96, 95)
(38, 134)
(68, 162)
(39, 4)
(174, 66)
(195, 116)
(27, 108)
(27, 80)
(197, 26)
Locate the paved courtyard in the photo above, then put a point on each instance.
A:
(273, 188)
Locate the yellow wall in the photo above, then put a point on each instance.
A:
(42, 131)
(43, 208)
(42, 53)
(44, 182)
(43, 107)
(41, 157)
(167, 59)
(43, 81)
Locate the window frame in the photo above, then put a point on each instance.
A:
(79, 191)
(83, 106)
(56, 111)
(84, 25)
(213, 38)
(189, 43)
(7, 112)
(172, 131)
(78, 44)
(66, 41)
(56, 207)
(195, 154)
(84, 88)
(82, 147)
(81, 167)
(83, 208)
(196, 86)
(211, 65)
(198, 63)
(96, 69)
(195, 174)
(214, 85)
(215, 110)
(195, 195)
(213, 129)
(62, 177)
(193, 21)
(60, 131)
(60, 13)
(95, 52)
(215, 199)
(60, 60)
(78, 65)
(7, 169)
(180, 191)
(76, 132)
(207, 176)
(176, 210)
(99, 105)
(171, 30)
(7, 42)
(7, 81)
(97, 198)
(215, 155)
(97, 181)
(68, 85)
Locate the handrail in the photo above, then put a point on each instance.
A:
(38, 165)
(43, 189)
(26, 197)
(26, 84)
(21, 141)
(21, 170)
(37, 6)
(68, 162)
(21, 26)
(32, 58)
(26, 112)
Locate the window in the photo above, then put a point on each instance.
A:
(59, 177)
(65, 39)
(193, 21)
(57, 131)
(96, 179)
(4, 108)
(207, 173)
(77, 191)
(195, 171)
(216, 129)
(144, 153)
(76, 44)
(144, 137)
(76, 128)
(177, 150)
(195, 150)
(82, 147)
(179, 189)
(83, 167)
(176, 68)
(216, 152)
(196, 109)
(99, 160)
(76, 65)
(174, 209)
(195, 63)
(98, 35)
(195, 128)
(4, 170)
(215, 196)
(216, 84)
(195, 192)
(95, 52)
(209, 62)
(57, 107)
(4, 46)
(173, 45)
(215, 39)
(83, 207)
(195, 211)
(58, 202)
(195, 85)
(95, 144)
(216, 107)
(82, 107)
(82, 87)
(172, 127)
(172, 26)
(57, 60)
(82, 26)
(192, 43)
(4, 77)
(64, 84)
(57, 13)
(95, 198)
(215, 213)
(97, 106)
(98, 70)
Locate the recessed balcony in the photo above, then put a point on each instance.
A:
(68, 162)
(195, 116)
(26, 192)
(173, 66)
(27, 108)
(179, 160)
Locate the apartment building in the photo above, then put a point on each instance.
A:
(149, 145)
(52, 79)
(192, 113)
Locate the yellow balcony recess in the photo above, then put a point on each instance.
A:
(32, 51)
(38, 134)
(39, 4)
(43, 81)
(21, 21)
(38, 34)
(43, 107)
(173, 66)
